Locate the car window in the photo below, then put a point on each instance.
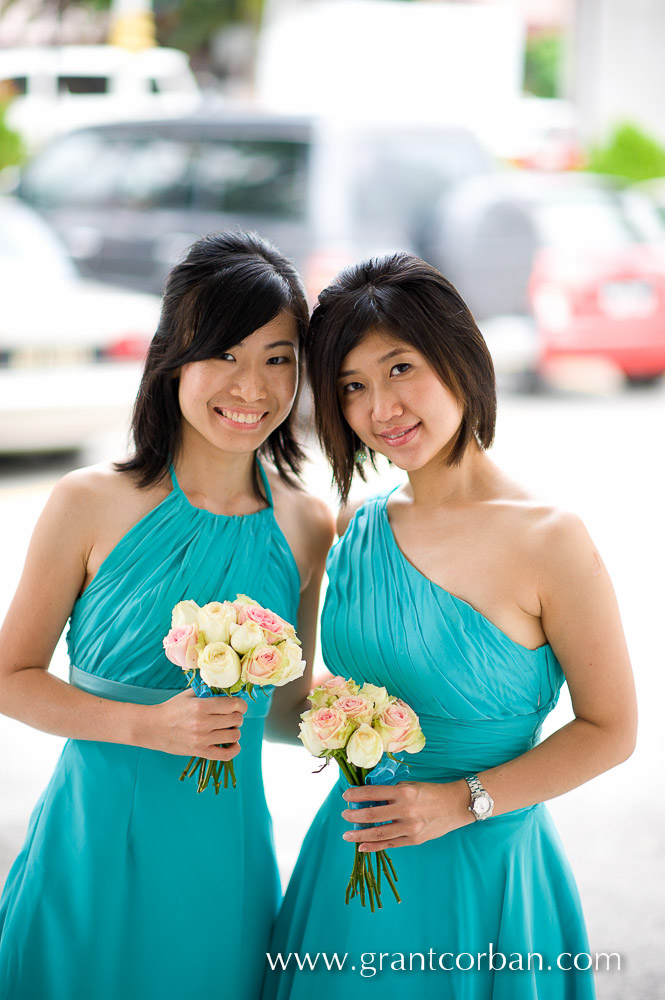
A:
(591, 219)
(408, 175)
(27, 242)
(243, 176)
(77, 170)
(257, 177)
(14, 86)
(155, 175)
(83, 84)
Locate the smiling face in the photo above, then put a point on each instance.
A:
(235, 401)
(396, 403)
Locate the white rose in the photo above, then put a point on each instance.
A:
(219, 665)
(246, 637)
(215, 620)
(185, 613)
(365, 747)
(293, 665)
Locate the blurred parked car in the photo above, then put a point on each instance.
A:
(57, 88)
(654, 190)
(70, 349)
(128, 198)
(575, 259)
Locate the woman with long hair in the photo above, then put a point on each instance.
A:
(129, 884)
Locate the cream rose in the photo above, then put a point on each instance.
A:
(215, 620)
(308, 736)
(242, 600)
(246, 637)
(219, 665)
(293, 665)
(378, 696)
(185, 613)
(261, 665)
(399, 729)
(365, 748)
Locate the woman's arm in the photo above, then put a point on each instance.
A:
(315, 528)
(581, 621)
(54, 572)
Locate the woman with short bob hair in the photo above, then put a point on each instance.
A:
(403, 295)
(131, 885)
(471, 601)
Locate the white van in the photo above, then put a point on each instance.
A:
(59, 88)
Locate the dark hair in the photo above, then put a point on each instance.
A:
(413, 302)
(228, 285)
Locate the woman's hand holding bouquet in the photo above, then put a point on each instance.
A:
(229, 648)
(362, 728)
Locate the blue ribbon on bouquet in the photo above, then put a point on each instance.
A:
(201, 689)
(386, 772)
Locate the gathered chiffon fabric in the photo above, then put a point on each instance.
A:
(502, 888)
(130, 885)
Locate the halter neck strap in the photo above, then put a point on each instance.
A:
(266, 484)
(262, 475)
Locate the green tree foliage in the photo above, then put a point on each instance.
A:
(542, 65)
(12, 151)
(630, 154)
(190, 24)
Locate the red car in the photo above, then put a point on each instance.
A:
(574, 256)
(597, 286)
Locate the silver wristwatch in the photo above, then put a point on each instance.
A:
(482, 803)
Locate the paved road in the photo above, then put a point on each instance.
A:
(600, 456)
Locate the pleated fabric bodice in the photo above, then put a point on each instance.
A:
(504, 884)
(130, 884)
(481, 696)
(177, 552)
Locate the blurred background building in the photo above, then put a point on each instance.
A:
(519, 145)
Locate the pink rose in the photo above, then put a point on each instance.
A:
(274, 627)
(328, 693)
(356, 707)
(180, 646)
(331, 727)
(261, 665)
(399, 728)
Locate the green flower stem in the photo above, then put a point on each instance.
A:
(347, 769)
(385, 861)
(184, 773)
(229, 772)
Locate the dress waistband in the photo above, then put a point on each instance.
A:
(117, 691)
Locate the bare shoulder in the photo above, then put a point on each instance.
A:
(101, 503)
(557, 540)
(93, 489)
(554, 530)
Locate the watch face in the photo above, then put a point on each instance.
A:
(481, 804)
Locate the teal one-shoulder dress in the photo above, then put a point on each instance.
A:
(130, 885)
(503, 884)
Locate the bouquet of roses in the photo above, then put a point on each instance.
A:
(229, 648)
(362, 728)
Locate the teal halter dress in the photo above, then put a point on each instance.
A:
(503, 884)
(130, 885)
